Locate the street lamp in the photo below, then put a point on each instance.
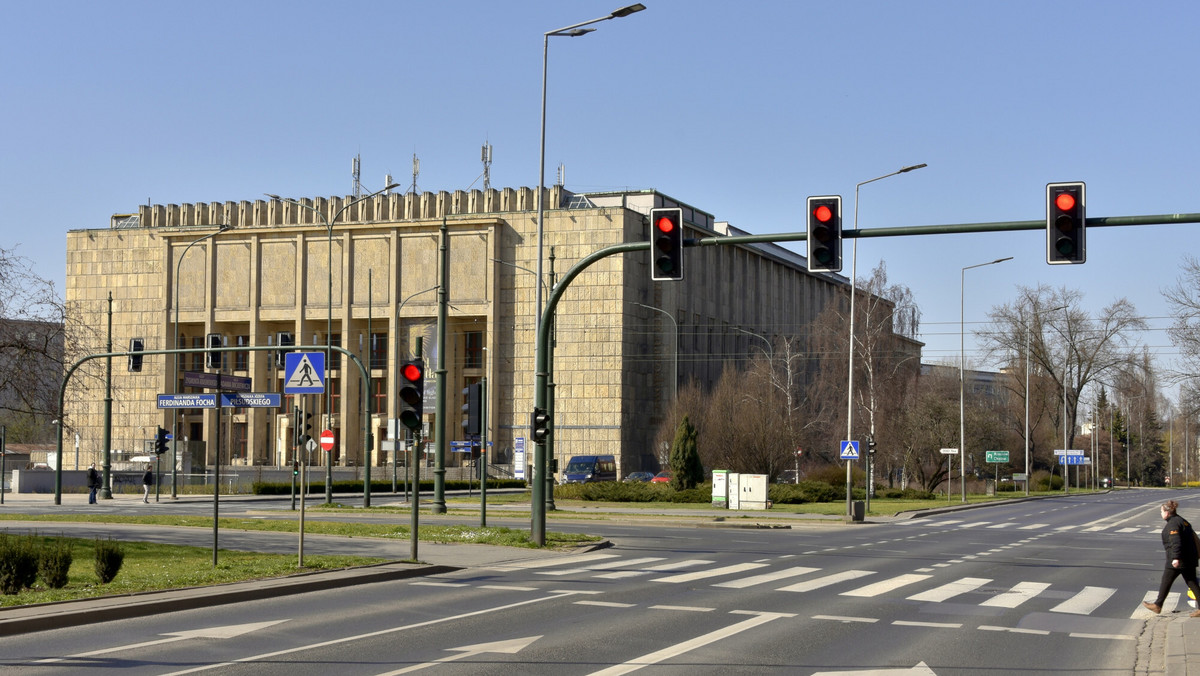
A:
(572, 31)
(329, 222)
(853, 293)
(175, 383)
(675, 373)
(962, 426)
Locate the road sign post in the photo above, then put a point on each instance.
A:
(949, 453)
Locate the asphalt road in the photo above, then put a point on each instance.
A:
(1048, 586)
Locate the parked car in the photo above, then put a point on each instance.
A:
(663, 477)
(586, 468)
(639, 476)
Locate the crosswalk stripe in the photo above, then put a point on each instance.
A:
(546, 563)
(1019, 594)
(973, 524)
(1171, 602)
(675, 565)
(766, 577)
(885, 586)
(1085, 602)
(817, 583)
(602, 566)
(1006, 524)
(1132, 529)
(1033, 526)
(950, 590)
(712, 572)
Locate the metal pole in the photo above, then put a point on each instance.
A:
(962, 425)
(414, 458)
(106, 488)
(438, 505)
(1026, 411)
(483, 452)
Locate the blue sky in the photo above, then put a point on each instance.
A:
(741, 109)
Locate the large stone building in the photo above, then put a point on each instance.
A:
(267, 276)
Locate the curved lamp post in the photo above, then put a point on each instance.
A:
(962, 426)
(853, 293)
(329, 222)
(675, 371)
(175, 383)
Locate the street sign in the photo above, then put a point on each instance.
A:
(304, 372)
(311, 445)
(327, 440)
(996, 456)
(216, 381)
(250, 400)
(1075, 451)
(187, 401)
(1020, 476)
(949, 451)
(1075, 460)
(849, 450)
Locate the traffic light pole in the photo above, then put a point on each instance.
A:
(542, 363)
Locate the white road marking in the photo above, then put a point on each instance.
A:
(885, 586)
(686, 646)
(809, 585)
(674, 565)
(766, 577)
(1020, 593)
(1085, 602)
(711, 572)
(950, 590)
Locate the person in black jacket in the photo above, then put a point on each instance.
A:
(1182, 556)
(93, 481)
(148, 482)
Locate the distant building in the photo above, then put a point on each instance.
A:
(266, 279)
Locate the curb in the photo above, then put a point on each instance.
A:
(25, 619)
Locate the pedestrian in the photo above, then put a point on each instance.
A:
(147, 482)
(93, 481)
(1179, 539)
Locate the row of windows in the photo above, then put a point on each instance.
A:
(377, 350)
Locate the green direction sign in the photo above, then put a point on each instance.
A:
(996, 456)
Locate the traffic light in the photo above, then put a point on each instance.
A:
(295, 468)
(539, 423)
(412, 393)
(213, 360)
(825, 233)
(303, 426)
(1066, 219)
(135, 360)
(160, 441)
(666, 244)
(472, 409)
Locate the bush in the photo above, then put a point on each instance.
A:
(109, 557)
(54, 562)
(1044, 481)
(18, 562)
(805, 491)
(904, 494)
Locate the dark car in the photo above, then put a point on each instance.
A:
(639, 476)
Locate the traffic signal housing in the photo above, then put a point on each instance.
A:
(303, 426)
(824, 230)
(160, 441)
(136, 345)
(284, 340)
(539, 424)
(472, 409)
(666, 244)
(1066, 221)
(412, 393)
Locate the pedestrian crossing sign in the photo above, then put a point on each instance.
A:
(849, 450)
(304, 372)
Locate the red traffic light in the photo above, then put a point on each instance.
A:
(411, 372)
(1065, 201)
(823, 213)
(665, 225)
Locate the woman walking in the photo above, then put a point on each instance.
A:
(1180, 542)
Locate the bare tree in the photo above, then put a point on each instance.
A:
(1076, 350)
(39, 337)
(1184, 299)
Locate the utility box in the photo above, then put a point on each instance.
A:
(720, 488)
(858, 511)
(733, 491)
(752, 492)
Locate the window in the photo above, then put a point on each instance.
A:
(197, 357)
(378, 395)
(379, 351)
(241, 360)
(473, 350)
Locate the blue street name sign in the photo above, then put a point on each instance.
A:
(187, 401)
(251, 400)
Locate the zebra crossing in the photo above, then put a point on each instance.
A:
(1021, 525)
(855, 583)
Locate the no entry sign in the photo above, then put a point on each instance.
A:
(327, 440)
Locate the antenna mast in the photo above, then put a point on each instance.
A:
(416, 171)
(485, 156)
(356, 172)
